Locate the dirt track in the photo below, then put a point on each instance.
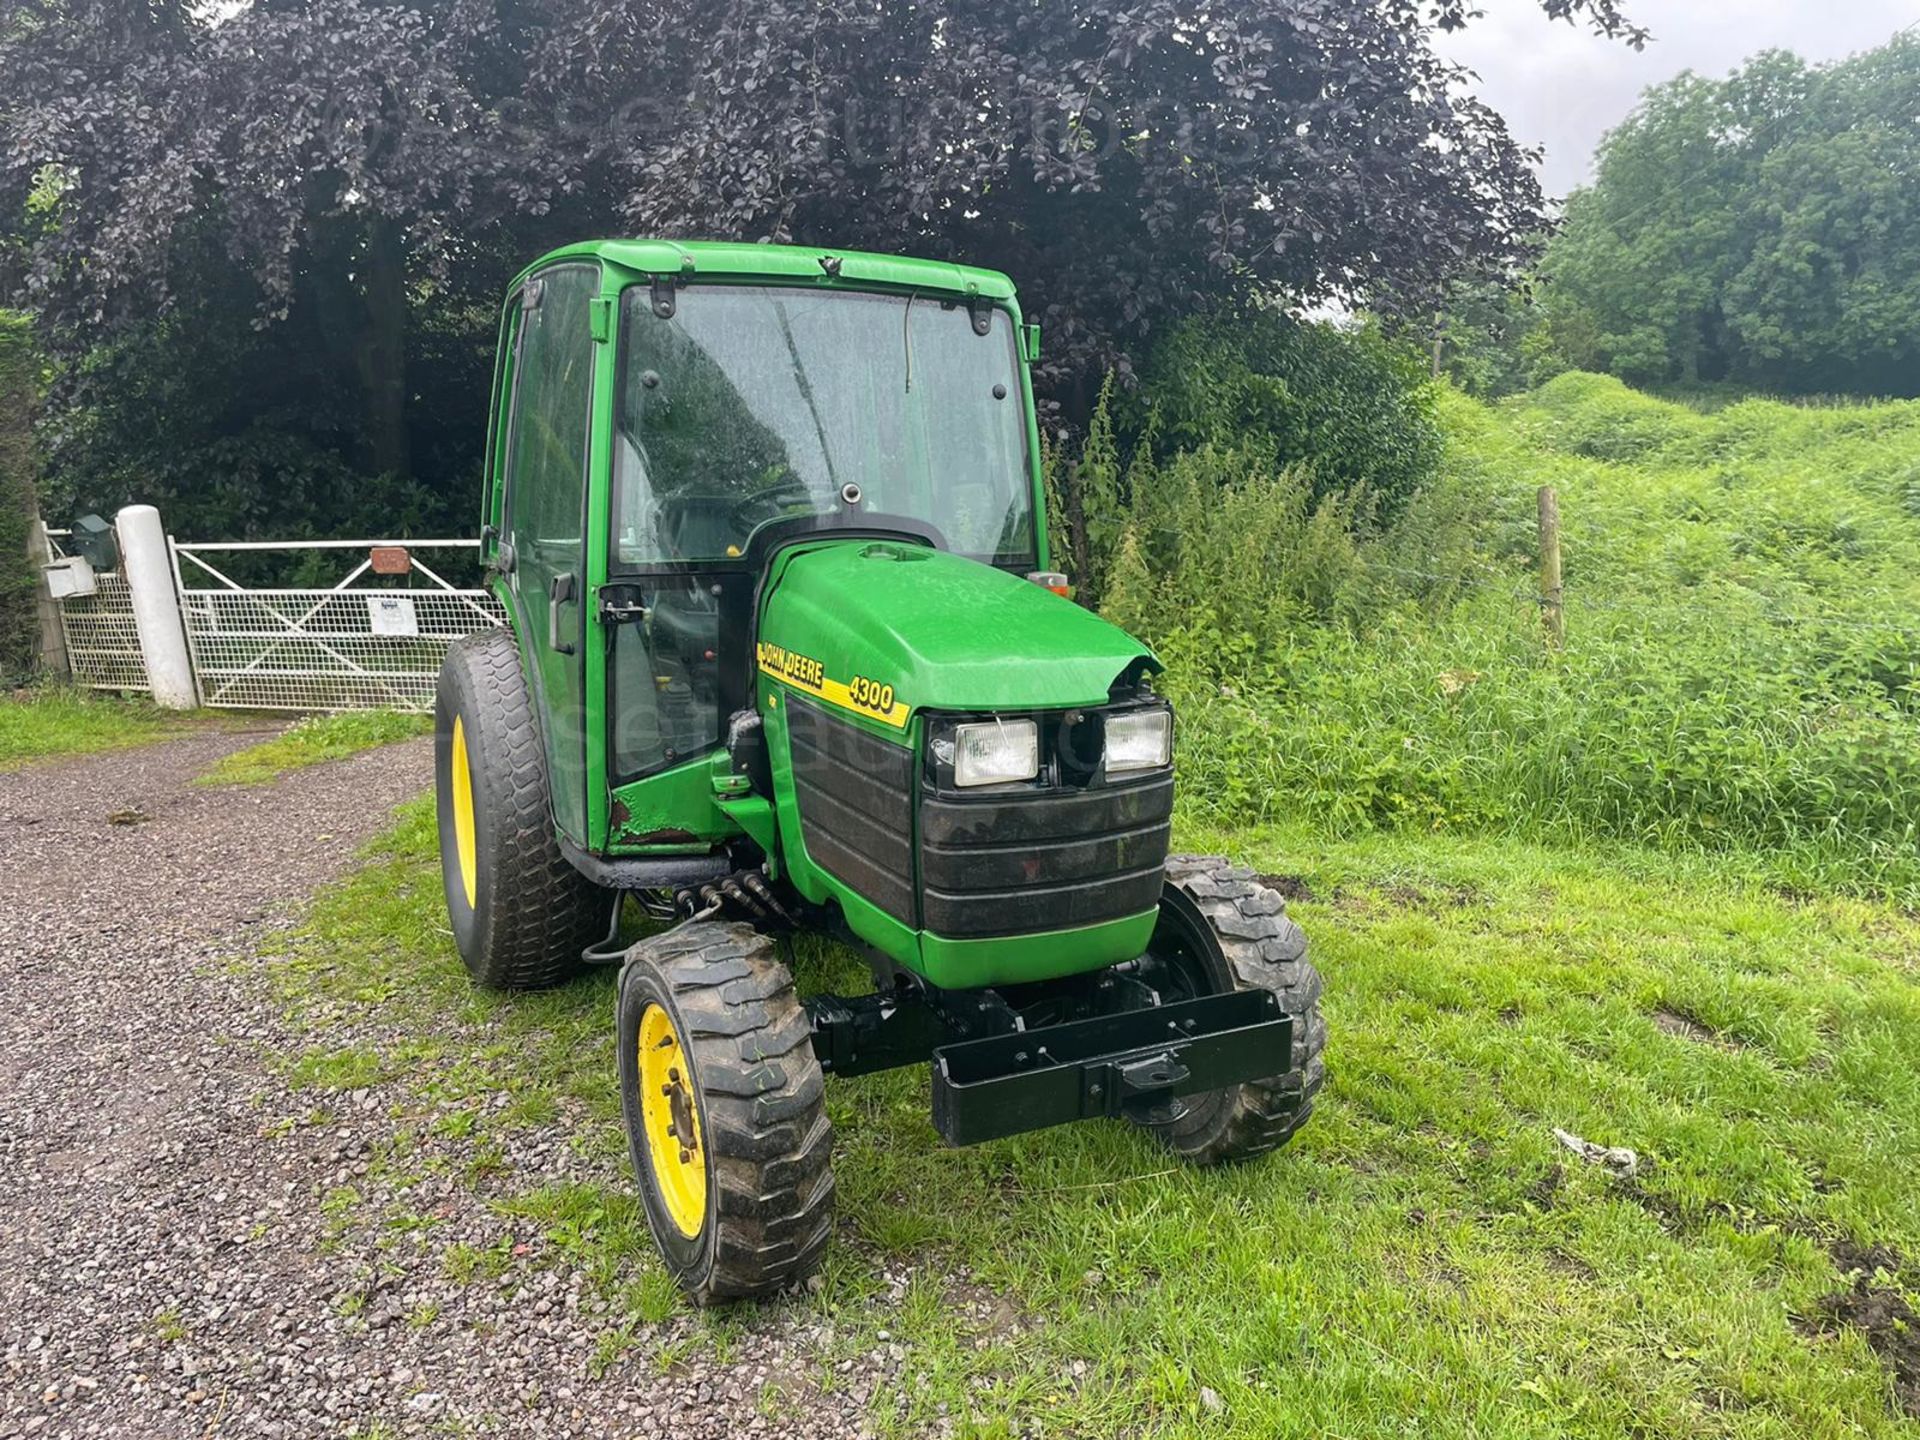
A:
(165, 1263)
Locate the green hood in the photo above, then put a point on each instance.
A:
(945, 633)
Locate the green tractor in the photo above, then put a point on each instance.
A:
(786, 654)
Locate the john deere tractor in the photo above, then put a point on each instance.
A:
(787, 654)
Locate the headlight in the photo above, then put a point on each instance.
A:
(1142, 740)
(996, 753)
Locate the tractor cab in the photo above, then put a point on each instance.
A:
(744, 411)
(786, 653)
(662, 407)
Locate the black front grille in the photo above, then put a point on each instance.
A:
(1013, 861)
(1042, 859)
(856, 805)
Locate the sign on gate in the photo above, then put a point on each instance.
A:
(393, 615)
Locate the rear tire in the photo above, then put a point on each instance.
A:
(520, 913)
(1220, 930)
(725, 1111)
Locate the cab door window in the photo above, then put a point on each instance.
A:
(550, 425)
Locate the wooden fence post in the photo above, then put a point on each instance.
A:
(1552, 611)
(53, 638)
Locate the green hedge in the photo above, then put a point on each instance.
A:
(1347, 409)
(19, 627)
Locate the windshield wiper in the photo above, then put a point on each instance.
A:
(805, 386)
(906, 335)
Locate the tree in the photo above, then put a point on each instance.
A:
(1491, 338)
(19, 617)
(1349, 408)
(1128, 162)
(1763, 230)
(337, 175)
(297, 159)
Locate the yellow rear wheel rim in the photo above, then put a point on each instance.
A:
(670, 1119)
(464, 846)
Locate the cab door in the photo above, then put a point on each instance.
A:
(545, 519)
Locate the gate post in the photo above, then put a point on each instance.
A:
(53, 637)
(156, 607)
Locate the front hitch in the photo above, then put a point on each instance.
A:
(1132, 1063)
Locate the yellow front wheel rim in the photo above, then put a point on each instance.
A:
(671, 1121)
(464, 845)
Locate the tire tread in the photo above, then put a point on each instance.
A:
(763, 1098)
(542, 912)
(1264, 949)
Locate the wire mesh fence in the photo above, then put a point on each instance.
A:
(103, 647)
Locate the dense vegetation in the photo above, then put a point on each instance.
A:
(1348, 406)
(266, 243)
(1762, 230)
(1741, 665)
(19, 634)
(1344, 594)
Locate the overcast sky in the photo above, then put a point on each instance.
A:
(1562, 87)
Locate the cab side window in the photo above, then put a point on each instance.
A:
(552, 397)
(549, 427)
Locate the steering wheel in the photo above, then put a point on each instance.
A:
(789, 492)
(707, 525)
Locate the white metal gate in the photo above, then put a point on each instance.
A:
(103, 646)
(374, 640)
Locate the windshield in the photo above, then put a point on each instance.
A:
(760, 403)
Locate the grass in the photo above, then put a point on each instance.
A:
(50, 721)
(1742, 665)
(46, 722)
(1426, 1258)
(311, 741)
(1656, 890)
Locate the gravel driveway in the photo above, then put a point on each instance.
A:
(166, 1264)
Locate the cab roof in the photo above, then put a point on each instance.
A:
(728, 260)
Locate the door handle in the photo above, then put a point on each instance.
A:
(561, 590)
